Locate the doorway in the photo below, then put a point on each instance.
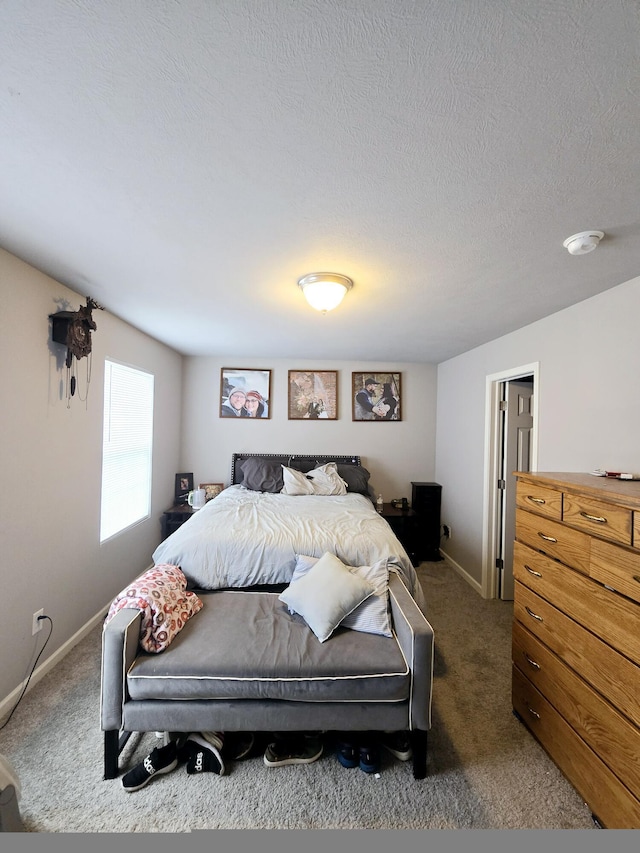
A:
(511, 445)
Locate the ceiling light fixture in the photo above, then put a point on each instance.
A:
(324, 290)
(585, 241)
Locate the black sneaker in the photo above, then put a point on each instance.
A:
(202, 756)
(398, 744)
(293, 750)
(162, 759)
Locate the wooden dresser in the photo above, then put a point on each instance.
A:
(576, 633)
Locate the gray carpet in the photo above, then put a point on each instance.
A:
(484, 770)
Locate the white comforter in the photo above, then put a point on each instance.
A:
(244, 537)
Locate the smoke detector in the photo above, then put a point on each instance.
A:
(585, 241)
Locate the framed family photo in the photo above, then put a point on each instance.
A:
(245, 393)
(313, 395)
(376, 396)
(184, 484)
(211, 490)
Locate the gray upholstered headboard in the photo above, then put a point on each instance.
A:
(292, 460)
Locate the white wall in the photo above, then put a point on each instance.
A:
(394, 452)
(588, 405)
(51, 457)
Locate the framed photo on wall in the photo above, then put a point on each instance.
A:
(245, 393)
(313, 395)
(184, 485)
(211, 490)
(376, 396)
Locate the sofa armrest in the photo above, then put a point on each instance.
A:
(120, 644)
(415, 636)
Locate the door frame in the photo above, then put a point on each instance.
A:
(492, 465)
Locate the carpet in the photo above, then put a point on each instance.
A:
(485, 771)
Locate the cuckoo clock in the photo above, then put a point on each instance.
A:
(73, 329)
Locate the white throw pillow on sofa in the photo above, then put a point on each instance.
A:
(326, 594)
(372, 616)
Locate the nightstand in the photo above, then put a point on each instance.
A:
(173, 518)
(403, 522)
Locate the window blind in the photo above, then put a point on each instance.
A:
(127, 443)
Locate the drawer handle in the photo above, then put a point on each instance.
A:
(532, 572)
(533, 713)
(533, 664)
(599, 519)
(547, 538)
(536, 500)
(534, 615)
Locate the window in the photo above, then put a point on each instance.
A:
(127, 441)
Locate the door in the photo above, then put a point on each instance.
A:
(515, 434)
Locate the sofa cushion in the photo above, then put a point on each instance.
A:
(246, 645)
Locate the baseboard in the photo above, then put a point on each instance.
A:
(39, 673)
(463, 573)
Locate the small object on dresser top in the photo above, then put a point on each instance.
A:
(615, 475)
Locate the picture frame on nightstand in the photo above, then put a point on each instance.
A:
(184, 485)
(211, 490)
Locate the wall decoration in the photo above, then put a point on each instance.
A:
(211, 490)
(376, 396)
(313, 395)
(73, 329)
(184, 485)
(245, 393)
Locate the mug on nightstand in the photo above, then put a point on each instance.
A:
(196, 498)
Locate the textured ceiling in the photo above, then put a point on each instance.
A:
(184, 163)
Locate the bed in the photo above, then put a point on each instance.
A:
(251, 658)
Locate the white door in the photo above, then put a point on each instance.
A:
(515, 440)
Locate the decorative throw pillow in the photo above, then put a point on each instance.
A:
(262, 475)
(326, 594)
(323, 480)
(372, 616)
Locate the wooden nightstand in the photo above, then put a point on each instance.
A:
(403, 522)
(173, 518)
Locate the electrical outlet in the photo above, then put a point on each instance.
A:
(36, 623)
(446, 531)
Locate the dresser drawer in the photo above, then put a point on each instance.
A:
(609, 672)
(609, 800)
(616, 567)
(615, 619)
(598, 518)
(555, 539)
(605, 730)
(540, 499)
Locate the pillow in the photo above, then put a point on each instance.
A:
(262, 475)
(356, 478)
(295, 482)
(372, 616)
(320, 481)
(326, 594)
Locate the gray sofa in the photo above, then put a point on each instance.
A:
(225, 671)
